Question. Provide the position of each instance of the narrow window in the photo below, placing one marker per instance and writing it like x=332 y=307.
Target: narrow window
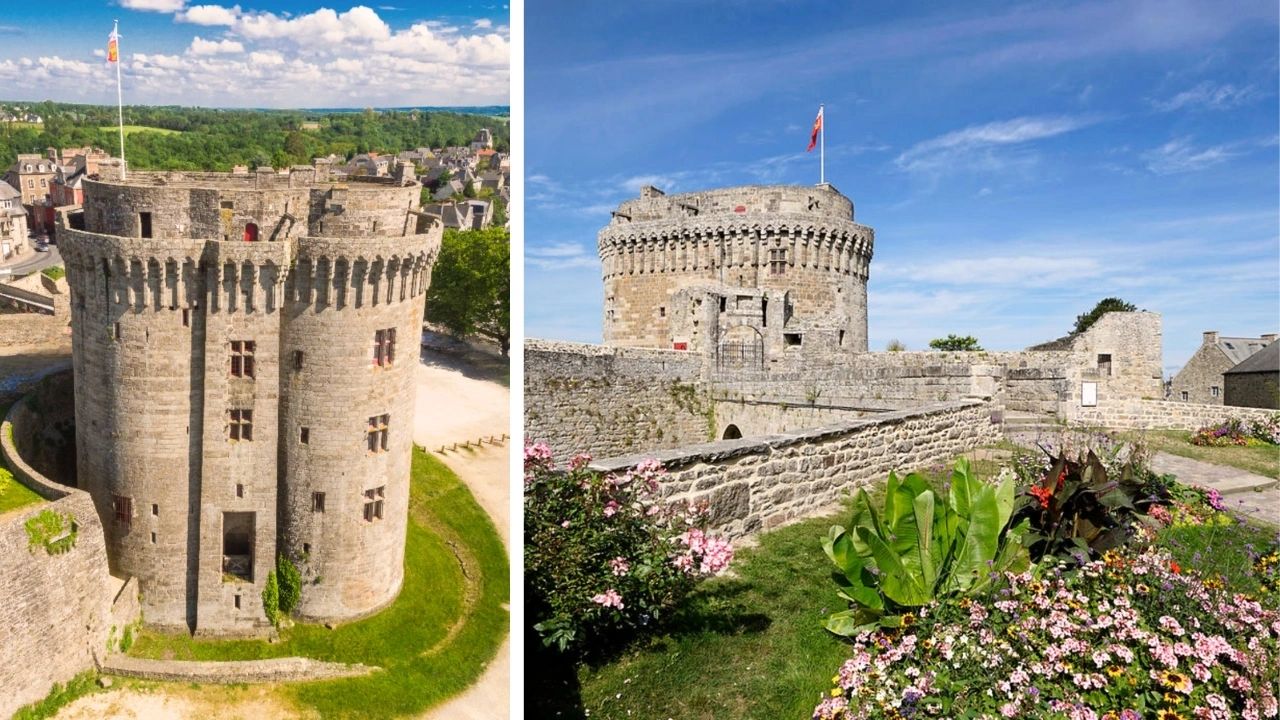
x=144 y=221
x=304 y=435
x=239 y=490
x=317 y=502
x=242 y=358
x=306 y=548
x=840 y=338
x=1184 y=396
x=662 y=311
x=186 y=317
x=1213 y=390
x=297 y=359
x=1104 y=364
x=778 y=261
x=384 y=347
x=123 y=507
x=240 y=424
x=117 y=331
x=722 y=304
x=153 y=538
x=377 y=432
x=155 y=510
x=237 y=601
x=373 y=499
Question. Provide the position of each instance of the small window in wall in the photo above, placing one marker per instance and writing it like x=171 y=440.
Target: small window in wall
x=251 y=232
x=240 y=424
x=153 y=538
x=384 y=347
x=237 y=545
x=116 y=331
x=723 y=303
x=306 y=548
x=1213 y=390
x=186 y=317
x=227 y=205
x=840 y=338
x=237 y=602
x=662 y=311
x=1184 y=396
x=297 y=359
x=764 y=312
x=242 y=358
x=1104 y=364
x=373 y=498
x=144 y=224
x=778 y=261
x=155 y=510
x=123 y=508
x=317 y=502
x=377 y=433
x=304 y=435
x=792 y=339
x=239 y=490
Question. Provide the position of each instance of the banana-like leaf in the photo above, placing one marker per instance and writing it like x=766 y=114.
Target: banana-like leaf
x=962 y=488
x=923 y=506
x=848 y=623
x=896 y=582
x=980 y=543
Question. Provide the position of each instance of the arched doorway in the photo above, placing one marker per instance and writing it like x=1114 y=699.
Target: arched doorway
x=251 y=232
x=732 y=433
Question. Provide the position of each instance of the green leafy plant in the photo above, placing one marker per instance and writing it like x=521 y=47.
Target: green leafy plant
x=956 y=342
x=52 y=530
x=921 y=546
x=289 y=581
x=1104 y=306
x=271 y=598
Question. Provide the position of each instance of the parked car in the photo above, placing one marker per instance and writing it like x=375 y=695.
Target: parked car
x=42 y=247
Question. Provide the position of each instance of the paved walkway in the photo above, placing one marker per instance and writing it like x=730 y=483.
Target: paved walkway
x=1252 y=495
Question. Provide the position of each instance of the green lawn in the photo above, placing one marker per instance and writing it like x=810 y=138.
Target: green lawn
x=13 y=494
x=1263 y=460
x=433 y=641
x=1225 y=551
x=131 y=129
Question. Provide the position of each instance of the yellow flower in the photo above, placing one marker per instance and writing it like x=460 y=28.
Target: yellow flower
x=1168 y=715
x=1172 y=699
x=1176 y=680
x=836 y=692
x=1115 y=671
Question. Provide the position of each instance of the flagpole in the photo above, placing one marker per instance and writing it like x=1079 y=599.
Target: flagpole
x=822 y=147
x=120 y=102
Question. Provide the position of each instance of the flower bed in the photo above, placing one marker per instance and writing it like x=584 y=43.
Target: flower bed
x=1245 y=433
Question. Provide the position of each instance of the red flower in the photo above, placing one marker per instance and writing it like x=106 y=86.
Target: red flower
x=1042 y=494
x=1062 y=476
x=1173 y=565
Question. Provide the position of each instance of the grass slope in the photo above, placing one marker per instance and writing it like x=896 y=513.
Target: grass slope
x=1264 y=461
x=132 y=129
x=433 y=642
x=13 y=494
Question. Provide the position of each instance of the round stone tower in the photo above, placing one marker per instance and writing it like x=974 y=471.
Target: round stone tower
x=244 y=347
x=747 y=273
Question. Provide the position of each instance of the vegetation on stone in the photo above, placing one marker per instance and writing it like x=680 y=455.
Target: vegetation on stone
x=271 y=598
x=470 y=289
x=55 y=272
x=289 y=581
x=52 y=530
x=955 y=342
x=60 y=696
x=1104 y=306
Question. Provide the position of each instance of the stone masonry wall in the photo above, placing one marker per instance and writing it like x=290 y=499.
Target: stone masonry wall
x=1146 y=414
x=26 y=329
x=759 y=484
x=609 y=401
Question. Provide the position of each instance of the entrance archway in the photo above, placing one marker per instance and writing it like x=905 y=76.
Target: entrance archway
x=251 y=232
x=732 y=433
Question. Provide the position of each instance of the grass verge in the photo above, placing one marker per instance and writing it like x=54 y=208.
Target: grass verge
x=59 y=697
x=131 y=129
x=432 y=642
x=1264 y=461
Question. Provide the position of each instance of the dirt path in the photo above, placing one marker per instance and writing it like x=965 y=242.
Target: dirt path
x=173 y=702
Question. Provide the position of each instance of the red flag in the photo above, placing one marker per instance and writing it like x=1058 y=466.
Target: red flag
x=813 y=135
x=113 y=47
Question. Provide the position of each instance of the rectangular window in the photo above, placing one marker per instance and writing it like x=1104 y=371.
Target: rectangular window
x=384 y=347
x=144 y=223
x=297 y=359
x=240 y=424
x=377 y=432
x=123 y=507
x=304 y=435
x=1213 y=390
x=237 y=600
x=186 y=317
x=239 y=490
x=317 y=502
x=227 y=205
x=116 y=331
x=242 y=358
x=1184 y=396
x=792 y=339
x=155 y=510
x=1104 y=364
x=153 y=538
x=778 y=261
x=373 y=498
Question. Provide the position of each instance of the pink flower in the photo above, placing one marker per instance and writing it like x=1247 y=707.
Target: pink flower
x=611 y=508
x=564 y=524
x=579 y=461
x=620 y=566
x=608 y=598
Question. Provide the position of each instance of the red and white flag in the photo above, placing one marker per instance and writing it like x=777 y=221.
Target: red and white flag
x=113 y=47
x=817 y=128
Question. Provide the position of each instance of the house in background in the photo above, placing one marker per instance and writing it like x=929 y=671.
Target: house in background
x=13 y=222
x=1201 y=379
x=1256 y=381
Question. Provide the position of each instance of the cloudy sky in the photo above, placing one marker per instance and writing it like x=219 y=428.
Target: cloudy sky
x=259 y=53
x=1019 y=161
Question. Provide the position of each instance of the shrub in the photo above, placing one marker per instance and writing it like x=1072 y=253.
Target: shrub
x=1128 y=636
x=921 y=547
x=605 y=559
x=271 y=598
x=289 y=581
x=956 y=342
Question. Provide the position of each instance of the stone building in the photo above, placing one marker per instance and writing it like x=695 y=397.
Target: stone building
x=1201 y=379
x=13 y=222
x=31 y=174
x=244 y=348
x=1255 y=382
x=754 y=275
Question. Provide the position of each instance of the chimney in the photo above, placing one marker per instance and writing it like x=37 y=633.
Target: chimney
x=1210 y=337
x=1269 y=338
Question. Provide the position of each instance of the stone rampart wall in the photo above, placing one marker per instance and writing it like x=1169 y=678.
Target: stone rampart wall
x=1145 y=414
x=610 y=401
x=759 y=484
x=34 y=329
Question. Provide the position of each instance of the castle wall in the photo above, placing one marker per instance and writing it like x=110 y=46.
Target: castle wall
x=608 y=401
x=1148 y=414
x=759 y=484
x=33 y=329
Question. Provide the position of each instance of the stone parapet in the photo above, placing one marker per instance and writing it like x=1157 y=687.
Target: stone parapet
x=273 y=670
x=1146 y=414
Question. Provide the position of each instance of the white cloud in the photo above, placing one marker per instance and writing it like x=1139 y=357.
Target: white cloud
x=200 y=46
x=1179 y=156
x=483 y=24
x=360 y=23
x=941 y=152
x=209 y=15
x=1210 y=96
x=154 y=5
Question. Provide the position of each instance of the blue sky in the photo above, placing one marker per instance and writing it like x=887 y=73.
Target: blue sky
x=260 y=53
x=1019 y=161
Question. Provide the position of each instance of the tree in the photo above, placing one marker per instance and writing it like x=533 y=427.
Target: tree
x=470 y=285
x=1104 y=306
x=895 y=345
x=955 y=342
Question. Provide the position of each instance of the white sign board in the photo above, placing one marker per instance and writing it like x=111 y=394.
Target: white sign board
x=1089 y=394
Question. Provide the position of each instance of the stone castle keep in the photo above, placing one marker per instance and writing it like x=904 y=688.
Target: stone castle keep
x=745 y=273
x=244 y=348
x=735 y=352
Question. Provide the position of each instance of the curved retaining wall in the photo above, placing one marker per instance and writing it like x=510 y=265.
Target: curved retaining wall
x=762 y=483
x=55 y=610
